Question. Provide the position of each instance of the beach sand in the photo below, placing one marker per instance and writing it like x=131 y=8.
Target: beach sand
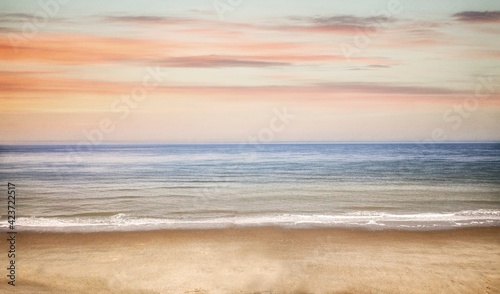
x=258 y=260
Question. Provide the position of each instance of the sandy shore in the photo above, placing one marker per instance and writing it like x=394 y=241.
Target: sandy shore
x=258 y=260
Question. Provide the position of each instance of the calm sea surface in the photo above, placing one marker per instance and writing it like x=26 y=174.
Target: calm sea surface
x=135 y=187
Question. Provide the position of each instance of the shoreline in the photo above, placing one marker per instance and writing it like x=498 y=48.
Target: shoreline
x=75 y=230
x=132 y=229
x=260 y=260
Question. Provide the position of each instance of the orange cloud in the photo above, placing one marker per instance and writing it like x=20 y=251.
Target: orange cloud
x=30 y=82
x=82 y=49
x=62 y=49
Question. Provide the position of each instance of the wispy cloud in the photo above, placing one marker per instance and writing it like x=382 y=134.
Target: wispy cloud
x=478 y=16
x=15 y=17
x=35 y=82
x=60 y=48
x=335 y=24
x=379 y=88
x=146 y=19
x=216 y=61
x=350 y=20
x=253 y=60
x=493 y=54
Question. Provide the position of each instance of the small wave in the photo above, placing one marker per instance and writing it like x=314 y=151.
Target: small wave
x=89 y=214
x=368 y=219
x=480 y=212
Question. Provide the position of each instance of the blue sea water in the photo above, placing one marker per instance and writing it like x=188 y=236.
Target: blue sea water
x=138 y=187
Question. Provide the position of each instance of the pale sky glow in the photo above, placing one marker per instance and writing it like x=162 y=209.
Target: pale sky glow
x=345 y=70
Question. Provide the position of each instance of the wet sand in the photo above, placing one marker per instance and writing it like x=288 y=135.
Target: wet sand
x=258 y=260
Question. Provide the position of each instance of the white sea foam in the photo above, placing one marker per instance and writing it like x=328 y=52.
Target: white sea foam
x=374 y=220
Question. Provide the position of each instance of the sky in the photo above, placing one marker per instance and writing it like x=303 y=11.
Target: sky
x=203 y=71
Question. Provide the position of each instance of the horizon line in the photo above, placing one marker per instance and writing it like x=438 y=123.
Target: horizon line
x=36 y=143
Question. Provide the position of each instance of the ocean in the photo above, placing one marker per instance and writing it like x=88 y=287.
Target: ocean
x=145 y=187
